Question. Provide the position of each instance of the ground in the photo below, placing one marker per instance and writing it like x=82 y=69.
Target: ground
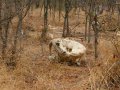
x=34 y=71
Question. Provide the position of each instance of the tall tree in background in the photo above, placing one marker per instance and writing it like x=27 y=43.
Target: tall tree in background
x=88 y=7
x=96 y=30
x=54 y=2
x=96 y=25
x=66 y=30
x=0 y=17
x=118 y=6
x=6 y=13
x=91 y=4
x=60 y=8
x=84 y=7
x=18 y=7
x=21 y=9
x=44 y=31
x=37 y=3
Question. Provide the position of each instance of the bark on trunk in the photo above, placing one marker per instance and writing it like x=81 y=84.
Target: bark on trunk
x=66 y=30
x=44 y=31
x=16 y=37
x=96 y=31
x=86 y=26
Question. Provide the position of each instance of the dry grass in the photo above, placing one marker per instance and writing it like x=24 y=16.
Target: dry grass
x=35 y=72
x=106 y=74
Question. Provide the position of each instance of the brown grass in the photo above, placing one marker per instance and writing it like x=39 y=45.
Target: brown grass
x=35 y=72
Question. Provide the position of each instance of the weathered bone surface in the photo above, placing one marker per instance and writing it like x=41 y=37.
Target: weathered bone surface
x=118 y=33
x=68 y=50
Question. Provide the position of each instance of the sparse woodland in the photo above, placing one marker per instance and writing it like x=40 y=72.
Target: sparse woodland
x=27 y=27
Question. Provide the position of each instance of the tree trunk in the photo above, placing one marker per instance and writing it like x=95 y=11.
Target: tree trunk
x=4 y=30
x=16 y=37
x=54 y=11
x=96 y=30
x=96 y=44
x=91 y=5
x=0 y=17
x=86 y=26
x=5 y=39
x=89 y=29
x=44 y=31
x=67 y=25
x=66 y=31
x=59 y=10
x=119 y=16
x=37 y=3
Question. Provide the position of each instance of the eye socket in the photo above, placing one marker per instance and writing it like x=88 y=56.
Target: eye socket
x=64 y=52
x=69 y=49
x=58 y=44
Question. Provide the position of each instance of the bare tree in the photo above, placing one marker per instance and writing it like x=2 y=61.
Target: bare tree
x=96 y=30
x=37 y=3
x=66 y=30
x=118 y=6
x=60 y=8
x=6 y=12
x=21 y=9
x=0 y=17
x=44 y=31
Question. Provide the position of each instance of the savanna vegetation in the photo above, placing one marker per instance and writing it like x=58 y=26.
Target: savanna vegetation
x=26 y=28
